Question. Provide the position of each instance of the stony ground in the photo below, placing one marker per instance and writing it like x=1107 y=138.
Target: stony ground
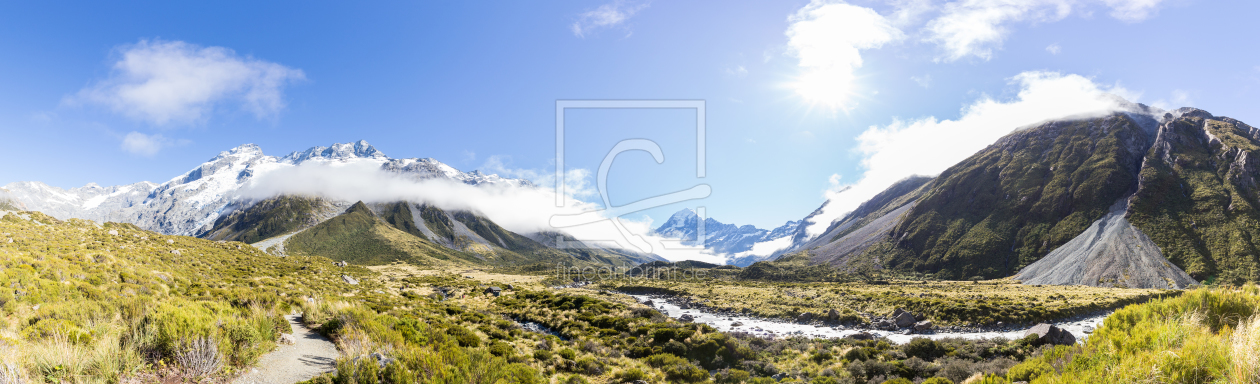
x=310 y=355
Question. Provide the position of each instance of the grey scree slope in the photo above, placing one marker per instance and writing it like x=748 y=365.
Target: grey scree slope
x=1110 y=253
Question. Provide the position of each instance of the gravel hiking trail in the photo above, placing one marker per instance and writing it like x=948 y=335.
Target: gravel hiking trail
x=309 y=356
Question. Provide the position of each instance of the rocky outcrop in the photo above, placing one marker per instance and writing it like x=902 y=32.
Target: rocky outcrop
x=1197 y=195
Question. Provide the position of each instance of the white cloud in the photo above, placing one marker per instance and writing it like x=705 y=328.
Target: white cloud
x=737 y=71
x=1133 y=10
x=1180 y=98
x=908 y=13
x=827 y=37
x=144 y=145
x=606 y=16
x=766 y=248
x=925 y=81
x=166 y=82
x=1054 y=49
x=518 y=209
x=976 y=27
x=928 y=146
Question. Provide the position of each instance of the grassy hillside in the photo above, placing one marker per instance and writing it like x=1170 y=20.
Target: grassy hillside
x=1198 y=199
x=361 y=237
x=88 y=303
x=495 y=234
x=357 y=236
x=1015 y=201
x=897 y=195
x=442 y=226
x=1209 y=335
x=398 y=214
x=84 y=305
x=114 y=304
x=265 y=219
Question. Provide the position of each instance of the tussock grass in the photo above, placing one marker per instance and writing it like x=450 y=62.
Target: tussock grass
x=1207 y=335
x=945 y=302
x=85 y=303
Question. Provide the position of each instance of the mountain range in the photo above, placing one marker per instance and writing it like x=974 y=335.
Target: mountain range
x=208 y=202
x=1138 y=198
x=735 y=241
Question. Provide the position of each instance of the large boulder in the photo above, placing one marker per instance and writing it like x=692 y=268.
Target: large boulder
x=904 y=320
x=686 y=318
x=885 y=324
x=923 y=325
x=805 y=317
x=1050 y=334
x=860 y=336
x=833 y=315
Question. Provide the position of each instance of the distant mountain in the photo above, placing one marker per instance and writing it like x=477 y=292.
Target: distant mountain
x=9 y=203
x=207 y=202
x=721 y=238
x=1141 y=198
x=422 y=234
x=190 y=204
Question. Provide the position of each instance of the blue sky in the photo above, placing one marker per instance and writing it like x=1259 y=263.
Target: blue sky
x=475 y=84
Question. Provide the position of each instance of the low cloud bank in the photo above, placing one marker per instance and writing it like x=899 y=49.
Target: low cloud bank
x=928 y=146
x=519 y=209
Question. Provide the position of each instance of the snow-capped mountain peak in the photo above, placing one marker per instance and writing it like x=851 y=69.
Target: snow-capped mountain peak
x=191 y=202
x=719 y=237
x=339 y=151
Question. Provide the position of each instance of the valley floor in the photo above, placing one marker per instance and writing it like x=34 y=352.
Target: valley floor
x=114 y=304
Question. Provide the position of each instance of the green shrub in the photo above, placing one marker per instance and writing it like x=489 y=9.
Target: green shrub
x=499 y=348
x=542 y=355
x=677 y=368
x=575 y=379
x=827 y=380
x=937 y=380
x=630 y=375
x=924 y=348
x=732 y=376
x=463 y=336
x=1029 y=370
x=821 y=357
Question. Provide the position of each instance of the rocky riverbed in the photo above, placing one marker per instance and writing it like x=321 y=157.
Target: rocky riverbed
x=1080 y=326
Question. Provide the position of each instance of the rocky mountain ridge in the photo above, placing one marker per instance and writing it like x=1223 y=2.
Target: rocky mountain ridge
x=189 y=204
x=1044 y=198
x=721 y=238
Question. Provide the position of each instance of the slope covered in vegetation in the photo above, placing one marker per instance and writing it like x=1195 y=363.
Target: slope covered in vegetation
x=271 y=217
x=1209 y=335
x=1015 y=201
x=359 y=237
x=1198 y=197
x=89 y=303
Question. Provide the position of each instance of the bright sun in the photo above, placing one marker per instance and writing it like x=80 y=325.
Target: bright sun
x=825 y=88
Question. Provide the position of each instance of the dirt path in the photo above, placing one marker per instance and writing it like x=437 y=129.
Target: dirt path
x=310 y=355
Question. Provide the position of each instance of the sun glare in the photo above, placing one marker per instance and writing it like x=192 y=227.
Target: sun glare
x=825 y=88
